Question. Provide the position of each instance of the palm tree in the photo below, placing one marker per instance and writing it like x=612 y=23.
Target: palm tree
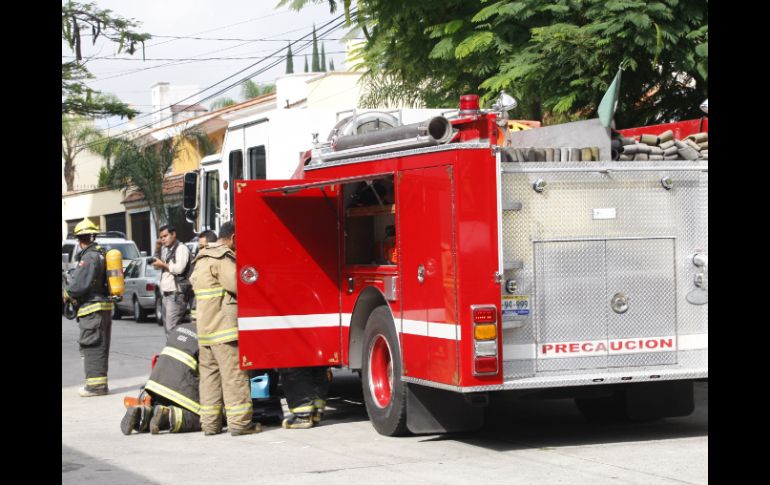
x=222 y=103
x=77 y=135
x=251 y=90
x=144 y=166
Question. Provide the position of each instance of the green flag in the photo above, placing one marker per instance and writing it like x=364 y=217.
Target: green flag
x=610 y=101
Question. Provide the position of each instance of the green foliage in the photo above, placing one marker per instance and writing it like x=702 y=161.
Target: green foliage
x=220 y=103
x=145 y=166
x=306 y=63
x=78 y=135
x=323 y=58
x=316 y=59
x=331 y=64
x=251 y=90
x=77 y=97
x=289 y=61
x=557 y=58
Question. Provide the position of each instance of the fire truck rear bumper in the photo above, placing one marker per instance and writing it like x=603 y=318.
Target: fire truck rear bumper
x=615 y=376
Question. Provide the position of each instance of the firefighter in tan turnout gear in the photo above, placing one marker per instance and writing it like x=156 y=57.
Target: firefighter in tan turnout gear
x=224 y=387
x=88 y=286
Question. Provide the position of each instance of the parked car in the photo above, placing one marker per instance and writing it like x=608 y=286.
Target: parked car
x=142 y=294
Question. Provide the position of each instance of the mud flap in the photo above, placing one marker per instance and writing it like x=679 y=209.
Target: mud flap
x=653 y=400
x=430 y=411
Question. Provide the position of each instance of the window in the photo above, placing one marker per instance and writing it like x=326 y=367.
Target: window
x=211 y=186
x=67 y=249
x=127 y=250
x=131 y=269
x=236 y=173
x=257 y=163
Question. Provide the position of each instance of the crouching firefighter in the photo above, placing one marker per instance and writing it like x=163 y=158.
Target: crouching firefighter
x=89 y=291
x=305 y=389
x=172 y=388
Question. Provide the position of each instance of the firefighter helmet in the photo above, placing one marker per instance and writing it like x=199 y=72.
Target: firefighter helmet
x=86 y=227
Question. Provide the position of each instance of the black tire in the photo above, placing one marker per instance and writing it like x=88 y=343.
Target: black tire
x=159 y=310
x=388 y=420
x=140 y=314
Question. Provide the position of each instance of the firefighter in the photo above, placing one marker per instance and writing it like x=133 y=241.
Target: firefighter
x=172 y=387
x=204 y=238
x=222 y=382
x=305 y=389
x=88 y=290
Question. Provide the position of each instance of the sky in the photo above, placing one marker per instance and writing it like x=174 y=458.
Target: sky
x=261 y=28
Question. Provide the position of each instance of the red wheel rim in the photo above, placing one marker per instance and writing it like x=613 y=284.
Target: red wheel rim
x=381 y=372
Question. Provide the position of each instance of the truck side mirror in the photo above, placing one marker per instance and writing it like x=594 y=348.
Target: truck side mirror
x=191 y=215
x=190 y=191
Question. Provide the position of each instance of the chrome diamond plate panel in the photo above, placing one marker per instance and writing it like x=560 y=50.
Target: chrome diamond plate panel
x=644 y=211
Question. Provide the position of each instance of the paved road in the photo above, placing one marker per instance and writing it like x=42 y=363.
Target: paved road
x=540 y=442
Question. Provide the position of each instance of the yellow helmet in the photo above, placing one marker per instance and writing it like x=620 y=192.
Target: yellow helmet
x=86 y=227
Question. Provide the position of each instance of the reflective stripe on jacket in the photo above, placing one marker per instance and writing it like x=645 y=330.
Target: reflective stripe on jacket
x=175 y=375
x=88 y=284
x=214 y=283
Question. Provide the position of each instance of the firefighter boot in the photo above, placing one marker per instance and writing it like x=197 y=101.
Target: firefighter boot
x=318 y=410
x=299 y=421
x=137 y=418
x=89 y=391
x=160 y=420
x=253 y=429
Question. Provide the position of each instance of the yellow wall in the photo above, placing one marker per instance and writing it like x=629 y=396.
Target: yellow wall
x=189 y=157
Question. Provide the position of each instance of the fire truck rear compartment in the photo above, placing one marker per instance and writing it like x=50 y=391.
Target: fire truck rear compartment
x=600 y=264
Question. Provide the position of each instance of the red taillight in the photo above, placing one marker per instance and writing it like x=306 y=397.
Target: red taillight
x=469 y=102
x=485 y=365
x=150 y=287
x=485 y=315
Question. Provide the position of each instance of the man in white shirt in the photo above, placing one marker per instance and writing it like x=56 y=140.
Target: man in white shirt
x=175 y=287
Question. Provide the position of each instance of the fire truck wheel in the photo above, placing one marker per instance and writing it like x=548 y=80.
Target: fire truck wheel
x=384 y=392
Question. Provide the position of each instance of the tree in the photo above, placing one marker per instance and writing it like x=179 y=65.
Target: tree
x=220 y=103
x=77 y=97
x=251 y=90
x=316 y=60
x=323 y=58
x=557 y=57
x=289 y=61
x=305 y=62
x=78 y=135
x=331 y=64
x=144 y=166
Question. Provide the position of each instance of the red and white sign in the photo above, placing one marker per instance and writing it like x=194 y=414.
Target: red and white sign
x=589 y=348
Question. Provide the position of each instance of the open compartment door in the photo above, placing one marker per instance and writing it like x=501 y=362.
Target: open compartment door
x=287 y=252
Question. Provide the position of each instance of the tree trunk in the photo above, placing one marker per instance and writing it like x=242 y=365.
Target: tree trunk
x=69 y=174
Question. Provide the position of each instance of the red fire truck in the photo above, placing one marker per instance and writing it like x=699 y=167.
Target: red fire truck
x=427 y=258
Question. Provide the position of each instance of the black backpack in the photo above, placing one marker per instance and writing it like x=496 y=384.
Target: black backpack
x=183 y=280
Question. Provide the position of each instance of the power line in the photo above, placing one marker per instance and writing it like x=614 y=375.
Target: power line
x=196 y=59
x=240 y=81
x=126 y=73
x=228 y=39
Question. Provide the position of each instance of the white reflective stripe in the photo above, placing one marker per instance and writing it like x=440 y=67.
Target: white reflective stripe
x=346 y=317
x=443 y=330
x=447 y=331
x=289 y=321
x=694 y=342
x=414 y=327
